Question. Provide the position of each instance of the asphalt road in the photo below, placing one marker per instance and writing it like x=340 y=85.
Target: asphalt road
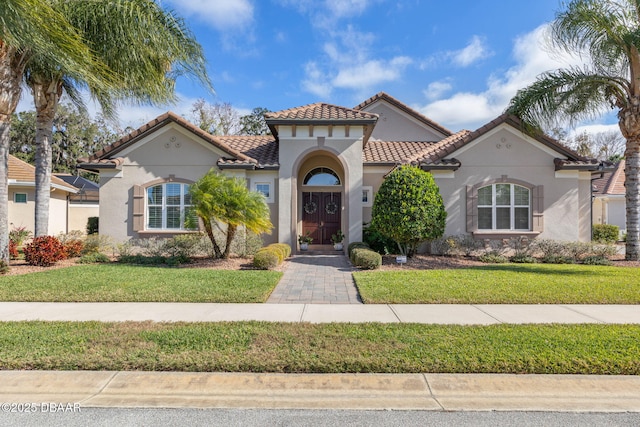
x=265 y=417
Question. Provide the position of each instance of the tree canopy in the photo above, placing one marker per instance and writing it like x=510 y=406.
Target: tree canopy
x=408 y=208
x=226 y=203
x=606 y=33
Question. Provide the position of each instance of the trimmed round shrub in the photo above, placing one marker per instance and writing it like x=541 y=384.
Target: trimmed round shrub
x=356 y=245
x=605 y=233
x=44 y=251
x=286 y=249
x=266 y=259
x=367 y=259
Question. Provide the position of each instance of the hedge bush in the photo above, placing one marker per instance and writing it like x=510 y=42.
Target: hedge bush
x=366 y=258
x=271 y=256
x=605 y=233
x=44 y=251
x=266 y=259
x=356 y=245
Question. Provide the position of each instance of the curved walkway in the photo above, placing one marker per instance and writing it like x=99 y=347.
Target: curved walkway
x=316 y=279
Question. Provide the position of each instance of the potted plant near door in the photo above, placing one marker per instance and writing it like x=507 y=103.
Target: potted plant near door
x=305 y=240
x=337 y=240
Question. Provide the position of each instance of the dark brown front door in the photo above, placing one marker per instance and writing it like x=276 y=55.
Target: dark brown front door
x=321 y=213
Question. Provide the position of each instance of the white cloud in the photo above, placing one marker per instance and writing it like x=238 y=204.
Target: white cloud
x=371 y=73
x=474 y=51
x=471 y=110
x=344 y=8
x=220 y=14
x=316 y=82
x=436 y=89
x=347 y=64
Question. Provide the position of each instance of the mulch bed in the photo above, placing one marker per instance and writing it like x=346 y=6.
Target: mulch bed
x=418 y=262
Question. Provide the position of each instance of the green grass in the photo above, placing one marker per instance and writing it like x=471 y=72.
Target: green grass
x=503 y=284
x=124 y=283
x=321 y=348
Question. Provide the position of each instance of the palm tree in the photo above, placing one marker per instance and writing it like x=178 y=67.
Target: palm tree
x=608 y=33
x=27 y=28
x=220 y=200
x=144 y=46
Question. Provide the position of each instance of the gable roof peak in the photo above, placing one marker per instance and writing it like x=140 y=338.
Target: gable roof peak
x=383 y=96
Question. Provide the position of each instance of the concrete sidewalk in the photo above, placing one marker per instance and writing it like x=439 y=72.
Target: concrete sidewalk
x=458 y=314
x=435 y=392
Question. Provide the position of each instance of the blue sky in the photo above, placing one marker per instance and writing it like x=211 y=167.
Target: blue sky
x=456 y=61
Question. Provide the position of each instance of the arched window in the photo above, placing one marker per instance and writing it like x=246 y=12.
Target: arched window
x=504 y=207
x=167 y=206
x=321 y=177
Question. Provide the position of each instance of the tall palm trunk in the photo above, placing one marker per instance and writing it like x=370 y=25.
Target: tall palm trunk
x=629 y=122
x=12 y=64
x=231 y=233
x=46 y=95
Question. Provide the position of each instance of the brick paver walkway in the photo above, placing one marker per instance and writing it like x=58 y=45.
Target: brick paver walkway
x=316 y=279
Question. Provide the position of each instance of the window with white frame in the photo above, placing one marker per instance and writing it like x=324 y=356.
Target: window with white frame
x=20 y=197
x=167 y=206
x=265 y=188
x=504 y=207
x=367 y=196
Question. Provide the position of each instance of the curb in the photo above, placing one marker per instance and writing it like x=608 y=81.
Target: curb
x=431 y=392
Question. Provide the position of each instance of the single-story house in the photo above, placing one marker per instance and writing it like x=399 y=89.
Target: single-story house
x=609 y=204
x=323 y=164
x=22 y=186
x=82 y=205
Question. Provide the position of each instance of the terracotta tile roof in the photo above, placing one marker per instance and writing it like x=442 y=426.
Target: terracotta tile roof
x=158 y=122
x=394 y=151
x=404 y=107
x=262 y=148
x=320 y=112
x=611 y=183
x=23 y=172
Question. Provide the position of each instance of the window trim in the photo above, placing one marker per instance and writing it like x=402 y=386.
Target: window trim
x=26 y=198
x=164 y=207
x=536 y=210
x=269 y=182
x=512 y=206
x=138 y=218
x=369 y=190
x=321 y=170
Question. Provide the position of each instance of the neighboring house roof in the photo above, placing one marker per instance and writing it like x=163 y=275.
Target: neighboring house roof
x=611 y=183
x=404 y=107
x=88 y=191
x=21 y=173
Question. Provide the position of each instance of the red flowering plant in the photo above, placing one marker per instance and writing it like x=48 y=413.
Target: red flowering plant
x=44 y=251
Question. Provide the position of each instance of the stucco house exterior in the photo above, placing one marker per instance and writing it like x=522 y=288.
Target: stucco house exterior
x=22 y=186
x=609 y=204
x=323 y=164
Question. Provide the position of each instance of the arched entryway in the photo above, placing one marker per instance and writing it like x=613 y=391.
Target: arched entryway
x=321 y=193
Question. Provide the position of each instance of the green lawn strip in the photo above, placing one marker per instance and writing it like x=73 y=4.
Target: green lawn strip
x=321 y=348
x=503 y=284
x=125 y=283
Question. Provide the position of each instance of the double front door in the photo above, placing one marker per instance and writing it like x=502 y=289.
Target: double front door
x=321 y=214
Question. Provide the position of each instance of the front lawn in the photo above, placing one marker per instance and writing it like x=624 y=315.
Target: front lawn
x=503 y=284
x=321 y=348
x=127 y=283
